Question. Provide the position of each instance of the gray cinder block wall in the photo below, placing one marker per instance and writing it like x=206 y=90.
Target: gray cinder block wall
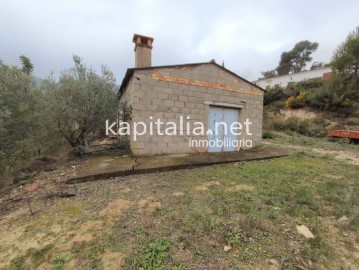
x=188 y=90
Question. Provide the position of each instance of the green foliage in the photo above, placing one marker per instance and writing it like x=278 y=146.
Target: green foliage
x=296 y=59
x=338 y=93
x=88 y=254
x=295 y=90
x=38 y=255
x=24 y=130
x=32 y=256
x=17 y=263
x=27 y=66
x=35 y=121
x=352 y=121
x=315 y=127
x=20 y=112
x=273 y=95
x=152 y=258
x=335 y=93
x=80 y=103
x=301 y=54
x=59 y=262
x=125 y=111
x=26 y=181
x=269 y=74
x=267 y=135
x=237 y=233
x=346 y=57
x=307 y=85
x=285 y=65
x=125 y=115
x=316 y=247
x=156 y=253
x=342 y=89
x=123 y=143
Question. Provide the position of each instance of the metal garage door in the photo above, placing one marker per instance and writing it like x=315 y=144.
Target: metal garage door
x=224 y=115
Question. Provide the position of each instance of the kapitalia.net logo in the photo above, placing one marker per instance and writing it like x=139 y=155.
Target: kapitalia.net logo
x=218 y=134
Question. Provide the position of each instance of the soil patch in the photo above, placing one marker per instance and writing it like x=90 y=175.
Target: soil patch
x=206 y=186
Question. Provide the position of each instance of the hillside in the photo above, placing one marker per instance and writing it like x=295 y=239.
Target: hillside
x=310 y=108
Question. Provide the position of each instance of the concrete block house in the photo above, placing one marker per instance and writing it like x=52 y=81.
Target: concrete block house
x=205 y=92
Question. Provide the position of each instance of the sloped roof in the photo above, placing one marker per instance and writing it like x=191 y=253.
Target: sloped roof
x=130 y=71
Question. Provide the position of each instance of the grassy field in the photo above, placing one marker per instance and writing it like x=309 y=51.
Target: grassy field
x=233 y=216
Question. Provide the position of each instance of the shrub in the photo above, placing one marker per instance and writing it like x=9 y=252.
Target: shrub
x=273 y=95
x=289 y=102
x=315 y=127
x=267 y=135
x=123 y=143
x=304 y=86
x=24 y=131
x=355 y=112
x=352 y=121
x=338 y=93
x=79 y=103
x=295 y=102
x=153 y=256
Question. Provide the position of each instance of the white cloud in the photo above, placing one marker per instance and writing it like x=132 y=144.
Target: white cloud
x=248 y=35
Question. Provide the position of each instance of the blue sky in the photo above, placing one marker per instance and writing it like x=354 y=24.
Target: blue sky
x=248 y=35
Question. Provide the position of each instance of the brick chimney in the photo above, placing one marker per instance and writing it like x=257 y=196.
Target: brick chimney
x=143 y=48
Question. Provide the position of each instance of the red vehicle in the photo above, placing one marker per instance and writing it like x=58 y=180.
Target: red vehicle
x=345 y=136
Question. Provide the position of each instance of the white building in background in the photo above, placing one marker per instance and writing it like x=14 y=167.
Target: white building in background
x=285 y=80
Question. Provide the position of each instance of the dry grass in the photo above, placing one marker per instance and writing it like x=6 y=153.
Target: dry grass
x=184 y=219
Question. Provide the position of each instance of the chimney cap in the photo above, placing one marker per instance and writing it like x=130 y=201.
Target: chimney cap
x=141 y=40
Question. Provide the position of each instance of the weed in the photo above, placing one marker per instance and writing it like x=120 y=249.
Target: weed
x=247 y=233
x=316 y=247
x=304 y=196
x=163 y=213
x=152 y=257
x=156 y=253
x=38 y=255
x=25 y=182
x=59 y=262
x=17 y=263
x=267 y=135
x=140 y=231
x=88 y=253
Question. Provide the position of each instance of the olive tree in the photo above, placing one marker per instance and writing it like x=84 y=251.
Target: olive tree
x=80 y=102
x=18 y=115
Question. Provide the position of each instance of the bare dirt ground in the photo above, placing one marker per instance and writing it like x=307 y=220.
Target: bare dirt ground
x=236 y=216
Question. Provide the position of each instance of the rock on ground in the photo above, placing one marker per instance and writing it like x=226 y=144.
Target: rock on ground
x=303 y=230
